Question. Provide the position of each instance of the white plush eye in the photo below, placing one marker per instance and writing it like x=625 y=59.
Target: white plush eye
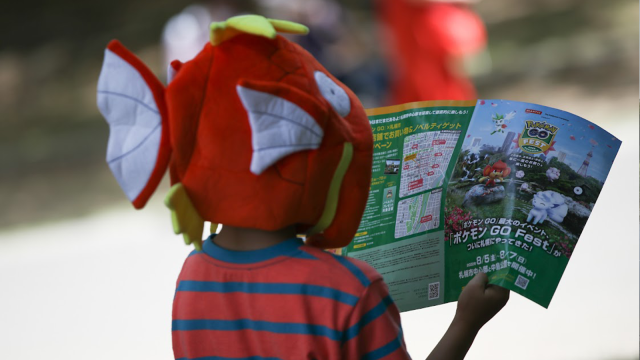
x=335 y=95
x=577 y=190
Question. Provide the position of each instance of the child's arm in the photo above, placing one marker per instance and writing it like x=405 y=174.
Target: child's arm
x=477 y=304
x=373 y=328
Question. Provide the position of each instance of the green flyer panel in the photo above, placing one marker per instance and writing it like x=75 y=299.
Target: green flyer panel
x=401 y=233
x=523 y=187
x=493 y=186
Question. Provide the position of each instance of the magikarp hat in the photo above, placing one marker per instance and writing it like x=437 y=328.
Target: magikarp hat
x=254 y=131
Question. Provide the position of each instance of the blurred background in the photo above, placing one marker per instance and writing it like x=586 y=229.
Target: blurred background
x=84 y=275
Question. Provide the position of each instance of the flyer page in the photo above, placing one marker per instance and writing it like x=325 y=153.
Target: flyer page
x=402 y=230
x=494 y=186
x=524 y=184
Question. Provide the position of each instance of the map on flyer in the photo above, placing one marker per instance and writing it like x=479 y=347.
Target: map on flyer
x=425 y=160
x=418 y=214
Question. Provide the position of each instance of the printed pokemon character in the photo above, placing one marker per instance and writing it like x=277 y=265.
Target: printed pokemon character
x=547 y=204
x=499 y=121
x=496 y=172
x=553 y=174
x=254 y=131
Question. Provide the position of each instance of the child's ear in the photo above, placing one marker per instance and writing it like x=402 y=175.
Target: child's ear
x=132 y=100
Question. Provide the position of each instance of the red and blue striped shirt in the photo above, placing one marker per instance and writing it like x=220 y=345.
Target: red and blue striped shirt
x=286 y=302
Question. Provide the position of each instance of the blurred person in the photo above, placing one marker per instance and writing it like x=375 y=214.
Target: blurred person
x=324 y=18
x=340 y=40
x=266 y=142
x=186 y=33
x=427 y=42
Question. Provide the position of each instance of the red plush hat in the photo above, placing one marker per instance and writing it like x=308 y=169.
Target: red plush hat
x=255 y=132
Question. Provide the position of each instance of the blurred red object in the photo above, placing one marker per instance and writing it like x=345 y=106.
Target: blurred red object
x=427 y=42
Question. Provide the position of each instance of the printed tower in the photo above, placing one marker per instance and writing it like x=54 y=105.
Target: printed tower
x=562 y=156
x=507 y=142
x=585 y=164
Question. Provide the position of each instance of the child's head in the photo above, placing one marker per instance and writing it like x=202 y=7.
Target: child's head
x=254 y=130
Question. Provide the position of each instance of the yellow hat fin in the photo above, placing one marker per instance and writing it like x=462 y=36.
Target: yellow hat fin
x=289 y=27
x=252 y=24
x=184 y=216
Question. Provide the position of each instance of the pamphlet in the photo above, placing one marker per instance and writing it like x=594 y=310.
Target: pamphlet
x=494 y=186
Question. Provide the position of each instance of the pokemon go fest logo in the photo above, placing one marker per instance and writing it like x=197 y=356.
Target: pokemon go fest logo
x=537 y=137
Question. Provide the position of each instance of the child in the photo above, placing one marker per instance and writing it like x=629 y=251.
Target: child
x=259 y=137
x=266 y=294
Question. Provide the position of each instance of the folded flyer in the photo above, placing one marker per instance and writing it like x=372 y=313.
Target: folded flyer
x=459 y=187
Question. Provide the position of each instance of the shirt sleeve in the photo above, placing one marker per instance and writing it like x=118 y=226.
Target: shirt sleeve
x=373 y=330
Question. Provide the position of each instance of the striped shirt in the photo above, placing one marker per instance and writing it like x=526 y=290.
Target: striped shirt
x=285 y=302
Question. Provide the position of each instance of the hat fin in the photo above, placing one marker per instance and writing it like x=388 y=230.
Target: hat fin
x=185 y=218
x=279 y=128
x=131 y=99
x=252 y=24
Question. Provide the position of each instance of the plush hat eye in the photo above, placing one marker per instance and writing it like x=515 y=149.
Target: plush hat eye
x=577 y=190
x=334 y=93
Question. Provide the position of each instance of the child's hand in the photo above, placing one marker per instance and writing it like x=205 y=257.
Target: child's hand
x=479 y=302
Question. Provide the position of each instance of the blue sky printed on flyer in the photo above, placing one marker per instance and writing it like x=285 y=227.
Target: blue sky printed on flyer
x=494 y=120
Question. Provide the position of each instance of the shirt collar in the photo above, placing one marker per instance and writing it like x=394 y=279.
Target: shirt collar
x=287 y=247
